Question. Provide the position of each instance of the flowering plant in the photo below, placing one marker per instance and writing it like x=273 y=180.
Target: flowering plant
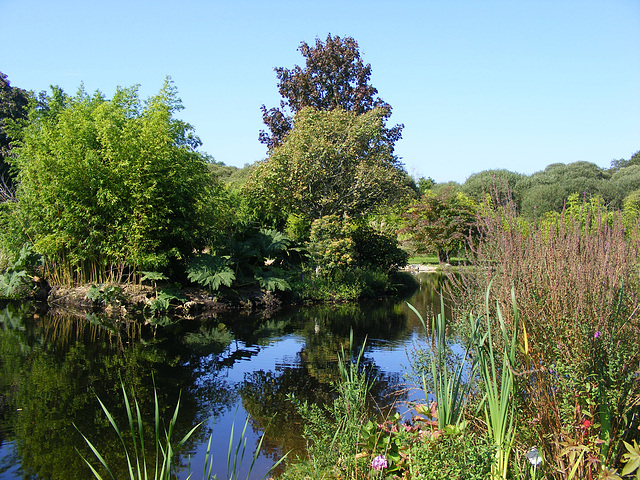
x=379 y=463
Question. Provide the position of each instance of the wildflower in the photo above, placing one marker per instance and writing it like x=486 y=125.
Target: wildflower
x=534 y=456
x=379 y=463
x=597 y=334
x=586 y=424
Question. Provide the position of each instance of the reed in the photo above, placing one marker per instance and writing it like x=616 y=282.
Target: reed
x=498 y=383
x=141 y=466
x=449 y=388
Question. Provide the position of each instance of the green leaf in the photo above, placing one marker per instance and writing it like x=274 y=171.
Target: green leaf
x=154 y=276
x=273 y=281
x=211 y=271
x=631 y=458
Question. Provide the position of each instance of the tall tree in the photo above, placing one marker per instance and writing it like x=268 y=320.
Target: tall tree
x=14 y=104
x=334 y=77
x=331 y=163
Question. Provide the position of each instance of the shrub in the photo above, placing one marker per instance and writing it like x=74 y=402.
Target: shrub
x=106 y=187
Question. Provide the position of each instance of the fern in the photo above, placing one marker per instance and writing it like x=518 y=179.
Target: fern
x=211 y=271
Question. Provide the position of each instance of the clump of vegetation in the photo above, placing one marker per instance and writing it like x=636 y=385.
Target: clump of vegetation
x=575 y=283
x=107 y=187
x=20 y=274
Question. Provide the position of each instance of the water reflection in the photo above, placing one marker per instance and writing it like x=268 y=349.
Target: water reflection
x=225 y=369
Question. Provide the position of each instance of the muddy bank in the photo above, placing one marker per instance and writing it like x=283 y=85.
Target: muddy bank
x=142 y=300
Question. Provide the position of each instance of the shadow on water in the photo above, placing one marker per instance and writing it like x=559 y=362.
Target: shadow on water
x=225 y=369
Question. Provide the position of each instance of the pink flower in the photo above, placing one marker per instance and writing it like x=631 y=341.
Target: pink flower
x=379 y=463
x=597 y=334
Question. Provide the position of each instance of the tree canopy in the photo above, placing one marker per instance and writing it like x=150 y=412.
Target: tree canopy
x=14 y=104
x=440 y=223
x=334 y=77
x=333 y=162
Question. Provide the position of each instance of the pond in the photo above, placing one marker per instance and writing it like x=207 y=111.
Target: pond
x=224 y=371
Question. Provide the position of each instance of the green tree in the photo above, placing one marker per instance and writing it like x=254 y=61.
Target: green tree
x=425 y=184
x=501 y=181
x=631 y=211
x=441 y=223
x=623 y=182
x=334 y=77
x=113 y=183
x=622 y=163
x=549 y=190
x=332 y=163
x=14 y=104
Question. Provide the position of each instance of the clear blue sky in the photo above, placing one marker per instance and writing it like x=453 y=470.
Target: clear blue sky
x=478 y=84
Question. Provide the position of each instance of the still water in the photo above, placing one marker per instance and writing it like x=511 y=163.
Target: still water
x=223 y=370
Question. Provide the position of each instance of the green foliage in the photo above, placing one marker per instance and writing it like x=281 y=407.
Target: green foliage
x=377 y=250
x=575 y=280
x=459 y=455
x=266 y=258
x=17 y=279
x=157 y=462
x=548 y=190
x=498 y=382
x=298 y=228
x=211 y=271
x=331 y=244
x=163 y=301
x=104 y=294
x=484 y=183
x=14 y=104
x=624 y=182
x=631 y=211
x=622 y=163
x=334 y=432
x=273 y=280
x=425 y=184
x=449 y=389
x=331 y=163
x=442 y=224
x=136 y=459
x=632 y=459
x=114 y=183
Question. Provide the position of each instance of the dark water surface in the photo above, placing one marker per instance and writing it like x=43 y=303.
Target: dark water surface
x=224 y=370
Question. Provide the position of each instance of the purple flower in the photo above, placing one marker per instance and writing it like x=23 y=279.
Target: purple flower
x=597 y=334
x=379 y=463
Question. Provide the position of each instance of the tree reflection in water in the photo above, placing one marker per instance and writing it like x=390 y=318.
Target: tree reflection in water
x=52 y=367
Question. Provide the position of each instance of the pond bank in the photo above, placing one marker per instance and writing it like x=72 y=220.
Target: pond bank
x=124 y=300
x=188 y=303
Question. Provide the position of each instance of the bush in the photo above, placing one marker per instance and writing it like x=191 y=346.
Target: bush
x=106 y=187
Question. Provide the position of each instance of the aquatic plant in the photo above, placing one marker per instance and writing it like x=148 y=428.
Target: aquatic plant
x=157 y=462
x=449 y=388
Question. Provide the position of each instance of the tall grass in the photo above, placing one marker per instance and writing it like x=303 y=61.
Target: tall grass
x=576 y=284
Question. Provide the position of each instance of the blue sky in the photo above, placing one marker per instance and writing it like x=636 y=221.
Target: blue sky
x=479 y=85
